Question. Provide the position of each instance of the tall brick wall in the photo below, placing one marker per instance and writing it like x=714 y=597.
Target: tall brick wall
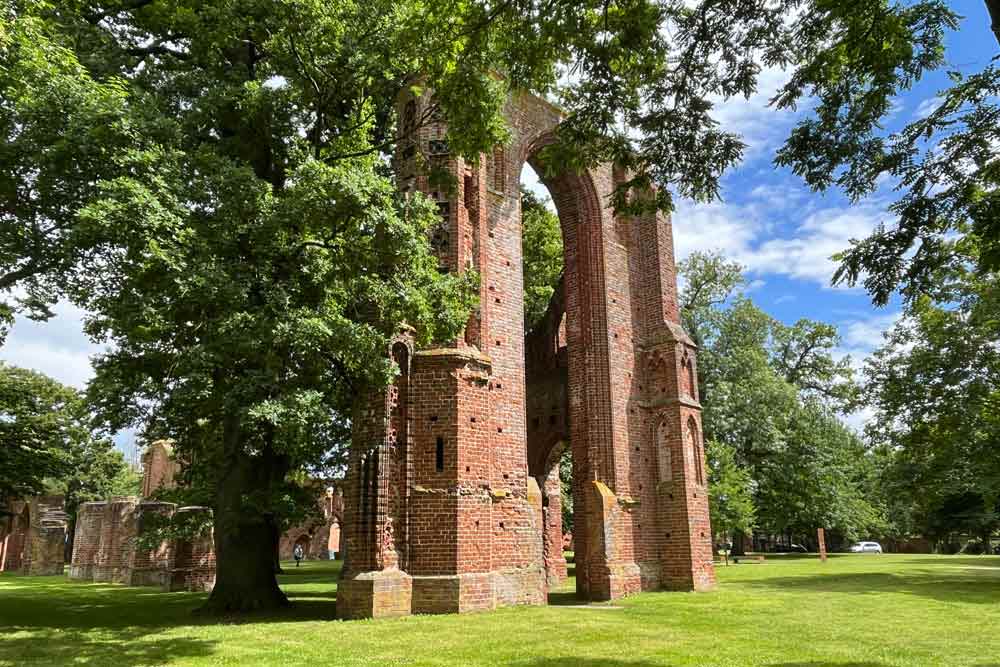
x=446 y=516
x=159 y=468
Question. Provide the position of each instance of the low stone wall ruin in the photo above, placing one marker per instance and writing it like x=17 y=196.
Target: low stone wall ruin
x=106 y=548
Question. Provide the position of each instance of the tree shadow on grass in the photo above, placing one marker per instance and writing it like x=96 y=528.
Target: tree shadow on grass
x=953 y=580
x=124 y=649
x=73 y=607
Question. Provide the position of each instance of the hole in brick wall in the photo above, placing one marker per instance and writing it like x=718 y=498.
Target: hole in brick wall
x=499 y=429
x=498 y=343
x=477 y=524
x=499 y=386
x=670 y=495
x=467 y=470
x=493 y=288
x=505 y=476
x=439 y=455
x=640 y=487
x=667 y=536
x=434 y=418
x=696 y=495
x=501 y=525
x=508 y=262
x=469 y=195
x=636 y=449
x=552 y=419
x=496 y=300
x=703 y=534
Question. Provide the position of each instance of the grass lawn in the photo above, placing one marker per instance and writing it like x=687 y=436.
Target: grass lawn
x=854 y=611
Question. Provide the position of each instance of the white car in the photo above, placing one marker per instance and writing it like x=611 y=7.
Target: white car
x=866 y=548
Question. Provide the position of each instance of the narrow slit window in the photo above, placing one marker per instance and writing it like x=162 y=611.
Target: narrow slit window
x=439 y=455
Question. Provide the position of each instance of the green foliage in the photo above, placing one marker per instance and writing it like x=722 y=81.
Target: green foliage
x=730 y=491
x=933 y=387
x=38 y=419
x=47 y=443
x=566 y=489
x=543 y=256
x=778 y=455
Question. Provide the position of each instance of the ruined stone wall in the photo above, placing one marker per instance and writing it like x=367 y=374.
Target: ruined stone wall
x=481 y=430
x=45 y=550
x=193 y=565
x=36 y=541
x=13 y=544
x=87 y=539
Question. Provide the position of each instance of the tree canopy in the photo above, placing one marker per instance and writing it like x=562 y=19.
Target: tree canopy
x=48 y=444
x=779 y=457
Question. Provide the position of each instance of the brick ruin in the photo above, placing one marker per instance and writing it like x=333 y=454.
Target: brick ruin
x=452 y=501
x=318 y=537
x=105 y=545
x=34 y=541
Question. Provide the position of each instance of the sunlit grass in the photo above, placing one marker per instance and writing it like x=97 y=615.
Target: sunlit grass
x=854 y=611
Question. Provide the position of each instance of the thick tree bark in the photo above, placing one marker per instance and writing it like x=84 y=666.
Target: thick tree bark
x=245 y=578
x=277 y=550
x=245 y=545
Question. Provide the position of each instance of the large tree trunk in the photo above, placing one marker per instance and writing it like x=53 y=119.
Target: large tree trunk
x=244 y=538
x=277 y=550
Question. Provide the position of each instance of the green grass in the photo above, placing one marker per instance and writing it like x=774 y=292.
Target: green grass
x=854 y=611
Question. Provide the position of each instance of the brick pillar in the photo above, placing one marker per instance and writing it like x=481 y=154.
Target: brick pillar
x=45 y=549
x=117 y=529
x=150 y=566
x=373 y=582
x=555 y=559
x=87 y=539
x=672 y=417
x=192 y=562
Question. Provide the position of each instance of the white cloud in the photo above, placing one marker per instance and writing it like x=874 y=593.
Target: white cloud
x=927 y=107
x=762 y=127
x=860 y=337
x=57 y=348
x=748 y=234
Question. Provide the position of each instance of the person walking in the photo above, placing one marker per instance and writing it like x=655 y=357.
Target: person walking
x=297 y=553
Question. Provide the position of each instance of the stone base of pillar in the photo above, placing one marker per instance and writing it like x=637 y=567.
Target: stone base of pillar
x=696 y=577
x=378 y=594
x=479 y=591
x=614 y=581
x=556 y=570
x=154 y=577
x=84 y=572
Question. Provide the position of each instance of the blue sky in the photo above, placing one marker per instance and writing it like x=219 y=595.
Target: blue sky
x=779 y=230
